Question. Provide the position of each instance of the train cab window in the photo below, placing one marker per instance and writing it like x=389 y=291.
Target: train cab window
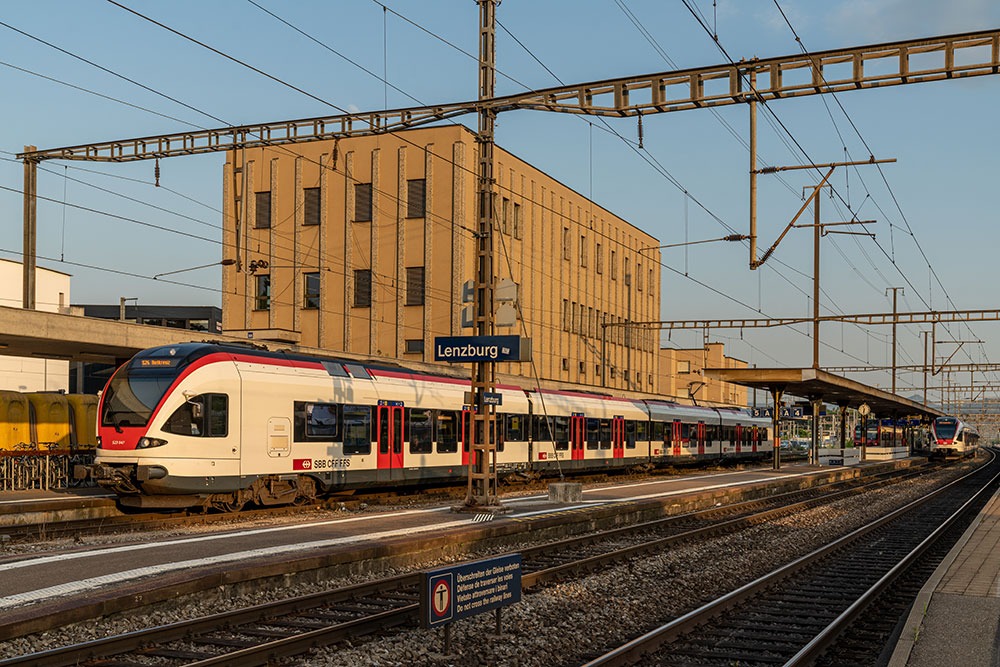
x=357 y=424
x=605 y=434
x=593 y=427
x=642 y=431
x=515 y=428
x=205 y=415
x=656 y=431
x=560 y=428
x=420 y=432
x=447 y=432
x=630 y=429
x=317 y=421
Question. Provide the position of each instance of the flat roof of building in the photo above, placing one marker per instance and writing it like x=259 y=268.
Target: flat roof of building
x=813 y=383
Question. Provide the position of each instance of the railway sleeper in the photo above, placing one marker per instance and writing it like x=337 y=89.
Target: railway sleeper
x=177 y=654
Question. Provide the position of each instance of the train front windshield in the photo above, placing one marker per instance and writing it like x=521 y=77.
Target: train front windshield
x=945 y=428
x=137 y=388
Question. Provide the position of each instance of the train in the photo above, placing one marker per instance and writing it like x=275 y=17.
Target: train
x=219 y=426
x=952 y=437
x=43 y=422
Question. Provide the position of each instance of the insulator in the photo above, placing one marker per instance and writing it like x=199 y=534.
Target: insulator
x=640 y=129
x=156 y=172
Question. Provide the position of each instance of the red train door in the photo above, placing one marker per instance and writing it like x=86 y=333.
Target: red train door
x=739 y=435
x=466 y=435
x=577 y=435
x=618 y=437
x=701 y=437
x=755 y=434
x=390 y=435
x=676 y=439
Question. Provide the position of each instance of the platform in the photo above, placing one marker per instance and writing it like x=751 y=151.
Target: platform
x=84 y=582
x=955 y=619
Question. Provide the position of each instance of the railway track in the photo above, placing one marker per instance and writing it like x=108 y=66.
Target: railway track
x=258 y=635
x=808 y=611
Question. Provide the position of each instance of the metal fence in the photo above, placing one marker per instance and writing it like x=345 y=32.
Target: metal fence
x=42 y=466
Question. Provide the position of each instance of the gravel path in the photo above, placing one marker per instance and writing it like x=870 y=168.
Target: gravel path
x=560 y=624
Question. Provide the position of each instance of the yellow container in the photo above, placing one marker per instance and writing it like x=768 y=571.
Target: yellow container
x=84 y=410
x=15 y=424
x=50 y=423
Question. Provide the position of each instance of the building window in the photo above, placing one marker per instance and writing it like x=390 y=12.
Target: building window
x=362 y=202
x=415 y=346
x=575 y=323
x=583 y=368
x=598 y=259
x=262 y=300
x=198 y=325
x=628 y=274
x=362 y=288
x=504 y=215
x=583 y=251
x=262 y=203
x=565 y=243
x=517 y=221
x=597 y=369
x=614 y=265
x=565 y=364
x=565 y=315
x=310 y=290
x=416 y=198
x=638 y=276
x=650 y=284
x=683 y=367
x=310 y=206
x=414 y=286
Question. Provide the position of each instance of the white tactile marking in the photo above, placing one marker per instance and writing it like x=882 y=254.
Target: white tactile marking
x=118 y=577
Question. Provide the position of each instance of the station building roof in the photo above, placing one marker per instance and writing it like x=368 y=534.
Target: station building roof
x=813 y=383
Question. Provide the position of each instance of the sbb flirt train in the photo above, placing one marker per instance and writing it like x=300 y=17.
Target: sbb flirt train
x=202 y=424
x=951 y=436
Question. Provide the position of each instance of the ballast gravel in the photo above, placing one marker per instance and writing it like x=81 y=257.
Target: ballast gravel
x=563 y=624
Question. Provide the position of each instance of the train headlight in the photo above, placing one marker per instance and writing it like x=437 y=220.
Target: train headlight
x=98 y=442
x=146 y=443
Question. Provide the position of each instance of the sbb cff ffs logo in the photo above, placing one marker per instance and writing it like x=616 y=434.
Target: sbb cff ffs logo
x=302 y=464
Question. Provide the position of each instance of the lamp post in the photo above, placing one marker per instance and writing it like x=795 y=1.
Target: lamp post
x=224 y=262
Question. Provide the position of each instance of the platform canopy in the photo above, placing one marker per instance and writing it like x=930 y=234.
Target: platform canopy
x=813 y=384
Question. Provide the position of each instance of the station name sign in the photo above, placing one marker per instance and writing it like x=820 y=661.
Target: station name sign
x=465 y=349
x=452 y=593
x=786 y=413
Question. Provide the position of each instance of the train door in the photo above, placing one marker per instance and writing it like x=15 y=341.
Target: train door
x=466 y=435
x=389 y=436
x=618 y=437
x=756 y=438
x=577 y=435
x=701 y=438
x=676 y=438
x=738 y=439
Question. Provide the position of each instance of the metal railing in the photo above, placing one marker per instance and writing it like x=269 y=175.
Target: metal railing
x=43 y=466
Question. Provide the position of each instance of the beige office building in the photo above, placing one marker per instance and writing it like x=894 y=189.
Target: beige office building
x=363 y=244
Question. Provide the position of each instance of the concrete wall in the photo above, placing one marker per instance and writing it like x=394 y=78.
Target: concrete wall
x=52 y=295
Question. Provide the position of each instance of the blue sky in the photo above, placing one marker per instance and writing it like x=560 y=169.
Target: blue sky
x=944 y=136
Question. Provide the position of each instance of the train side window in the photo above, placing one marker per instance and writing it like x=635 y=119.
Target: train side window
x=515 y=428
x=543 y=432
x=605 y=434
x=560 y=426
x=593 y=433
x=317 y=421
x=642 y=431
x=447 y=432
x=357 y=421
x=630 y=430
x=656 y=431
x=668 y=432
x=190 y=418
x=420 y=432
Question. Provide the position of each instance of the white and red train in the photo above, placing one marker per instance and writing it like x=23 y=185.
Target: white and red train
x=951 y=436
x=202 y=424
